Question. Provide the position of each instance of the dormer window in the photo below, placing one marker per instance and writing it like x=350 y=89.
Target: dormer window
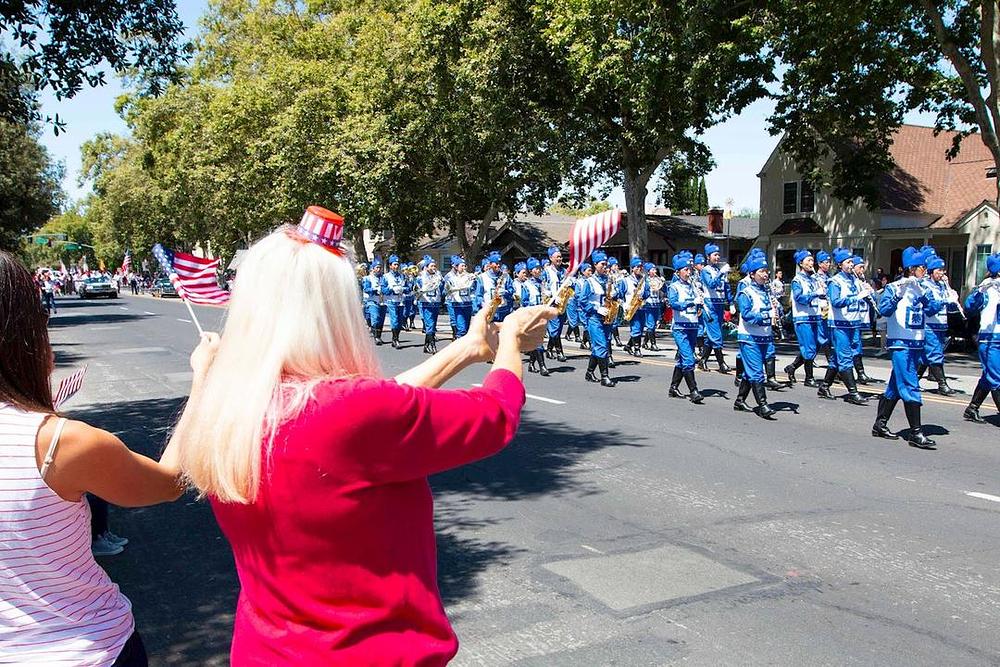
x=991 y=172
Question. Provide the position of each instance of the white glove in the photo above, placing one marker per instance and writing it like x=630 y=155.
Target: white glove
x=952 y=296
x=603 y=311
x=724 y=267
x=397 y=290
x=699 y=301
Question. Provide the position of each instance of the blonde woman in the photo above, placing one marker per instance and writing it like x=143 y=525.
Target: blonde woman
x=316 y=465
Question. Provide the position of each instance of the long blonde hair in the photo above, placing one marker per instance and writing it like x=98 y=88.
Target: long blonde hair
x=294 y=320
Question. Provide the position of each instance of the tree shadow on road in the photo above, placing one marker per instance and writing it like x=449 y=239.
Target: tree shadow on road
x=61 y=321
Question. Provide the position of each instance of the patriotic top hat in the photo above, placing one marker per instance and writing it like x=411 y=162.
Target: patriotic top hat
x=321 y=226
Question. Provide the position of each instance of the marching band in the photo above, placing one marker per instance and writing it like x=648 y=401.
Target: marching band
x=829 y=312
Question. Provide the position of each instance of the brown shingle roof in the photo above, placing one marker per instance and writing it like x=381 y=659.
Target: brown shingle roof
x=925 y=181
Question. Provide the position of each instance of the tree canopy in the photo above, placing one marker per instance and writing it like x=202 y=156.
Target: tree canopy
x=30 y=183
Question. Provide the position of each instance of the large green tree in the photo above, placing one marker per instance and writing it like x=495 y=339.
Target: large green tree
x=841 y=99
x=30 y=189
x=647 y=78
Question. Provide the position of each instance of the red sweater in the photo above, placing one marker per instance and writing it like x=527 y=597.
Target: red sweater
x=336 y=557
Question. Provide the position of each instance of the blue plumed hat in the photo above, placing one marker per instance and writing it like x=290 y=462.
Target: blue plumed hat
x=822 y=256
x=841 y=255
x=553 y=250
x=800 y=255
x=493 y=258
x=393 y=259
x=993 y=263
x=532 y=263
x=634 y=262
x=710 y=248
x=648 y=265
x=612 y=261
x=755 y=263
x=934 y=262
x=520 y=266
x=598 y=256
x=699 y=258
x=585 y=266
x=681 y=260
x=913 y=257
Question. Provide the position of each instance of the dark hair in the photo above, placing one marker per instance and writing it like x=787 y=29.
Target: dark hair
x=25 y=354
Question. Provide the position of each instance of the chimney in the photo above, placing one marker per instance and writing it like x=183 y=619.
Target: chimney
x=715 y=221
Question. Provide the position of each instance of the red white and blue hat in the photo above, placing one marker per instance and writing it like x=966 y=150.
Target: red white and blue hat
x=321 y=226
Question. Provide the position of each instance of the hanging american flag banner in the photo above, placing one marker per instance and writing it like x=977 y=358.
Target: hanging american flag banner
x=591 y=233
x=68 y=387
x=127 y=262
x=192 y=277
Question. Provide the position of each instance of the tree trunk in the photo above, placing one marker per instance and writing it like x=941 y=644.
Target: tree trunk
x=360 y=252
x=484 y=228
x=635 y=206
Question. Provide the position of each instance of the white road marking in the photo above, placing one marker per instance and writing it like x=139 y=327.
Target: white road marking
x=104 y=328
x=588 y=548
x=614 y=415
x=146 y=312
x=906 y=479
x=537 y=398
x=123 y=307
x=781 y=451
x=982 y=496
x=180 y=319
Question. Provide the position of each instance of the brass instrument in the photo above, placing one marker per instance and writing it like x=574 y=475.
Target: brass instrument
x=565 y=294
x=360 y=271
x=610 y=303
x=497 y=300
x=635 y=303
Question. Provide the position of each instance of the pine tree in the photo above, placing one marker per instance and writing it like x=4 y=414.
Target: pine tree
x=702 y=197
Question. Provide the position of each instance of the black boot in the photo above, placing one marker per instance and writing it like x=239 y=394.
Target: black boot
x=706 y=352
x=434 y=343
x=917 y=437
x=645 y=341
x=533 y=361
x=652 y=341
x=636 y=347
x=606 y=380
x=550 y=348
x=378 y=336
x=792 y=367
x=881 y=427
x=675 y=383
x=585 y=341
x=721 y=358
x=921 y=369
x=996 y=398
x=614 y=337
x=853 y=397
x=859 y=366
x=810 y=380
x=427 y=343
x=740 y=404
x=824 y=386
x=937 y=374
x=760 y=395
x=628 y=346
x=395 y=339
x=972 y=412
x=591 y=366
x=374 y=333
x=454 y=332
x=560 y=355
x=542 y=368
x=611 y=358
x=739 y=371
x=771 y=383
x=693 y=394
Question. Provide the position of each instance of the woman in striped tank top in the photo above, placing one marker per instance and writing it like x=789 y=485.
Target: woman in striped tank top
x=57 y=606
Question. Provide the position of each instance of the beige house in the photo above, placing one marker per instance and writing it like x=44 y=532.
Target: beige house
x=926 y=200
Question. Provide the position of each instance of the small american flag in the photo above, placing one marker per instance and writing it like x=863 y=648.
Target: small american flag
x=591 y=233
x=68 y=387
x=127 y=262
x=192 y=277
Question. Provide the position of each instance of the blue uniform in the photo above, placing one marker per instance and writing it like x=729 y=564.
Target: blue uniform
x=682 y=296
x=754 y=332
x=630 y=283
x=987 y=304
x=905 y=307
x=428 y=292
x=936 y=326
x=592 y=297
x=715 y=283
x=807 y=297
x=823 y=330
x=459 y=289
x=549 y=282
x=394 y=288
x=487 y=286
x=846 y=302
x=654 y=306
x=371 y=286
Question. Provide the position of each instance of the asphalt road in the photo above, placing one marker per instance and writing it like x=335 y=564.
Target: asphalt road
x=621 y=527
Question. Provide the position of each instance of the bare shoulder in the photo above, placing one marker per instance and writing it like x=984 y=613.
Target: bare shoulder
x=77 y=439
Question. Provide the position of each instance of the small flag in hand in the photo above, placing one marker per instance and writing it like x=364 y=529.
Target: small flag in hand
x=68 y=387
x=192 y=277
x=591 y=233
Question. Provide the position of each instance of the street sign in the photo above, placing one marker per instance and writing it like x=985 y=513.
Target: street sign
x=41 y=240
x=71 y=246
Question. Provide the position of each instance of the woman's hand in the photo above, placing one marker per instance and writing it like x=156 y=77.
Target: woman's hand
x=204 y=354
x=482 y=337
x=525 y=327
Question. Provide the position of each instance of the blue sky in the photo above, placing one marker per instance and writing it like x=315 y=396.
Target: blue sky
x=740 y=145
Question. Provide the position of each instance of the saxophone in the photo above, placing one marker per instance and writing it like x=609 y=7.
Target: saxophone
x=497 y=300
x=635 y=303
x=610 y=303
x=565 y=294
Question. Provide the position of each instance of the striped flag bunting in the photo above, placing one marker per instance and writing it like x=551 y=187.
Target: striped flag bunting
x=192 y=277
x=127 y=262
x=591 y=233
x=68 y=387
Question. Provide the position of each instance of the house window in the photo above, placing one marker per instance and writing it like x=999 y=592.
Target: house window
x=791 y=197
x=956 y=267
x=807 y=198
x=991 y=172
x=983 y=251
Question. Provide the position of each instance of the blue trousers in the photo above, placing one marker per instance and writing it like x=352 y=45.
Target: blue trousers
x=807 y=333
x=555 y=325
x=753 y=355
x=375 y=314
x=989 y=357
x=502 y=313
x=653 y=315
x=461 y=314
x=450 y=305
x=856 y=341
x=823 y=334
x=843 y=352
x=934 y=344
x=572 y=313
x=635 y=324
x=395 y=311
x=685 y=340
x=600 y=334
x=409 y=308
x=713 y=326
x=429 y=314
x=903 y=381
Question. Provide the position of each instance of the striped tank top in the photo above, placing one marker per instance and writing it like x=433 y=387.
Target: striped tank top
x=57 y=606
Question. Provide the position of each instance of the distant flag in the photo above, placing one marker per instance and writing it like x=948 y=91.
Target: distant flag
x=192 y=277
x=83 y=264
x=68 y=387
x=62 y=267
x=127 y=261
x=591 y=233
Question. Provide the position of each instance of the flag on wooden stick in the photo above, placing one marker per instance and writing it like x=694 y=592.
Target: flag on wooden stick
x=68 y=387
x=591 y=233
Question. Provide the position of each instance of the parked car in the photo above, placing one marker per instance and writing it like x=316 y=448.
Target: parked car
x=95 y=287
x=163 y=287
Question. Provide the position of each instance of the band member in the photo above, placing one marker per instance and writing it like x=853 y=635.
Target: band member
x=585 y=272
x=714 y=280
x=686 y=302
x=754 y=335
x=742 y=284
x=653 y=310
x=985 y=300
x=777 y=288
x=699 y=264
x=394 y=288
x=528 y=288
x=552 y=279
x=846 y=301
x=616 y=277
x=864 y=322
x=823 y=266
x=458 y=293
x=598 y=295
x=634 y=282
x=905 y=304
x=428 y=290
x=375 y=308
x=936 y=325
x=493 y=281
x=448 y=303
x=409 y=272
x=806 y=316
x=477 y=291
